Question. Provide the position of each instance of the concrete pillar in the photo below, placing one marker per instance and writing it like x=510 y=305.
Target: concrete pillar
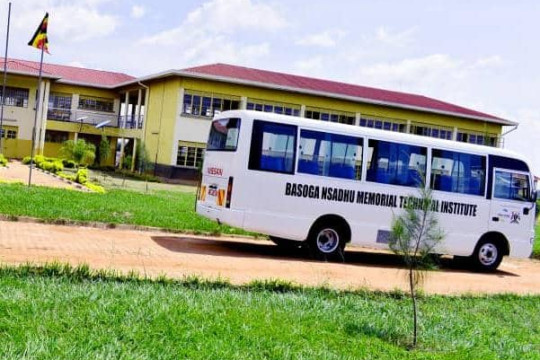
x=243 y=102
x=408 y=127
x=133 y=154
x=357 y=119
x=302 y=110
x=454 y=134
x=138 y=108
x=43 y=118
x=126 y=109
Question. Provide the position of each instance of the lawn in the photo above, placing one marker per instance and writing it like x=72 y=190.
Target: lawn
x=69 y=316
x=173 y=210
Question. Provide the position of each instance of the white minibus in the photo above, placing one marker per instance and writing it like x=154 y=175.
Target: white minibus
x=328 y=184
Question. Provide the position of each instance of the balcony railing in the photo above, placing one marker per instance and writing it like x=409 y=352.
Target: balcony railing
x=131 y=121
x=96 y=118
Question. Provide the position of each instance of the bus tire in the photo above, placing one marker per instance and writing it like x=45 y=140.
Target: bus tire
x=327 y=241
x=285 y=243
x=487 y=255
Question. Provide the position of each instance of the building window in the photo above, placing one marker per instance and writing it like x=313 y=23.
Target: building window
x=8 y=132
x=15 y=96
x=55 y=136
x=383 y=124
x=440 y=132
x=190 y=154
x=330 y=115
x=273 y=107
x=478 y=138
x=59 y=106
x=208 y=104
x=96 y=104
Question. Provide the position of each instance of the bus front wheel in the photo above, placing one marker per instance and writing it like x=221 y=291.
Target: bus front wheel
x=327 y=241
x=487 y=255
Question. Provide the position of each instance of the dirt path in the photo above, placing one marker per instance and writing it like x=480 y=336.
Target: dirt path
x=242 y=260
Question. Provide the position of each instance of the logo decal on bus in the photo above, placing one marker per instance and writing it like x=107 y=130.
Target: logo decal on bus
x=515 y=217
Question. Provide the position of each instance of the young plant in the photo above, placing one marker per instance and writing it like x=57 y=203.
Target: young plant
x=415 y=235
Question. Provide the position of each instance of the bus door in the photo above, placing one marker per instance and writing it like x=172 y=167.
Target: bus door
x=512 y=209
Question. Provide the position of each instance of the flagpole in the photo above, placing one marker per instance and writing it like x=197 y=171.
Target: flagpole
x=35 y=117
x=2 y=132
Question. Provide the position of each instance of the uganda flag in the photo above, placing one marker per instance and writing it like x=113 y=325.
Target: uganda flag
x=39 y=40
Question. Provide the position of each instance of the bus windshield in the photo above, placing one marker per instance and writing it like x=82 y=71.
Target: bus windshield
x=224 y=135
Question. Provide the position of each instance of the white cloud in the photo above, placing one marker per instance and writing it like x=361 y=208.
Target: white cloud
x=208 y=33
x=137 y=11
x=328 y=38
x=524 y=139
x=313 y=66
x=399 y=39
x=220 y=17
x=67 y=20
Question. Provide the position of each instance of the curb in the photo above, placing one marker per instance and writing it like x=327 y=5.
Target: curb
x=114 y=226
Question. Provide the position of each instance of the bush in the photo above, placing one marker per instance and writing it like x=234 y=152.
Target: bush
x=95 y=188
x=69 y=164
x=26 y=160
x=3 y=160
x=82 y=176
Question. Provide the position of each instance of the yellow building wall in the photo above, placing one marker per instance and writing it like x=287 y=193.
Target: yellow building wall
x=84 y=90
x=338 y=105
x=160 y=119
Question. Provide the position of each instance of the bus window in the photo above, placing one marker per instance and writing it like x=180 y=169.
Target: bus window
x=457 y=172
x=512 y=186
x=272 y=147
x=396 y=164
x=224 y=135
x=331 y=155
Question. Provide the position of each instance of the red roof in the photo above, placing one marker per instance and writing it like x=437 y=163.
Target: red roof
x=70 y=74
x=337 y=88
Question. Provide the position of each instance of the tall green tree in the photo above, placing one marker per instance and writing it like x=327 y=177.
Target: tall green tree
x=80 y=151
x=415 y=235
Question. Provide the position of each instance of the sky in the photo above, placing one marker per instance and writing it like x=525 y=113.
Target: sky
x=481 y=54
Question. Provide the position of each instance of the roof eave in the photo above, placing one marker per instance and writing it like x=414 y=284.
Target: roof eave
x=184 y=73
x=28 y=73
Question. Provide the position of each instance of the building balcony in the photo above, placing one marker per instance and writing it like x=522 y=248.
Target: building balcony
x=96 y=118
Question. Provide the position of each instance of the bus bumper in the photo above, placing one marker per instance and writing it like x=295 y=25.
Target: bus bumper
x=522 y=249
x=222 y=216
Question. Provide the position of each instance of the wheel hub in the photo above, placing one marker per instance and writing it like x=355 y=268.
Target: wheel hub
x=327 y=241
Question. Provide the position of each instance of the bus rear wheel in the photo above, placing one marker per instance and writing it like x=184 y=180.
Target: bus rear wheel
x=487 y=256
x=327 y=241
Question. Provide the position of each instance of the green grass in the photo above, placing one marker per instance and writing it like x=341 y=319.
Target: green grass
x=163 y=209
x=536 y=247
x=72 y=314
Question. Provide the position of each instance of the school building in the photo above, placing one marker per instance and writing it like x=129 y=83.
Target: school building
x=170 y=112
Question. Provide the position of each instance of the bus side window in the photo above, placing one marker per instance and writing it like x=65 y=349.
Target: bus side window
x=332 y=155
x=272 y=147
x=457 y=172
x=396 y=164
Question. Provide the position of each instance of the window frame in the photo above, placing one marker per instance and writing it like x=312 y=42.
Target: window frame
x=482 y=185
x=256 y=154
x=511 y=172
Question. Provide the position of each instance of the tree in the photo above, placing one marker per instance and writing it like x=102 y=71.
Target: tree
x=104 y=149
x=80 y=151
x=415 y=236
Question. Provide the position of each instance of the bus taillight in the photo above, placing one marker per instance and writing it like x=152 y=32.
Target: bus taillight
x=229 y=192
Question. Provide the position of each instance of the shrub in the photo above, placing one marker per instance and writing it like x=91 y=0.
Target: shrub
x=57 y=166
x=69 y=164
x=82 y=176
x=38 y=159
x=26 y=160
x=3 y=160
x=95 y=188
x=46 y=165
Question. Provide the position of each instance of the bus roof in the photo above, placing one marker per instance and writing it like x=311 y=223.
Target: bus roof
x=376 y=133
